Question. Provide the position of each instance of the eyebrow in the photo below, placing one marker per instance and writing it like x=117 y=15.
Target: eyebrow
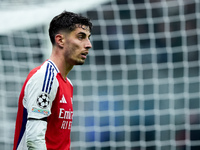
x=83 y=33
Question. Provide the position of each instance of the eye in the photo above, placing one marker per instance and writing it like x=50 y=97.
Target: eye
x=80 y=37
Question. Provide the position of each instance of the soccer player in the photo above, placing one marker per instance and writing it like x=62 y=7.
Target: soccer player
x=45 y=109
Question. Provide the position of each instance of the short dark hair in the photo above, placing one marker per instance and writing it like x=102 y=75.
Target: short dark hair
x=66 y=21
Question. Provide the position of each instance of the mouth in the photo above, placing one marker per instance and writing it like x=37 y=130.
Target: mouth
x=84 y=55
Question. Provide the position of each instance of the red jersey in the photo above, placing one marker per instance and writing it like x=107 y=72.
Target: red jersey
x=45 y=110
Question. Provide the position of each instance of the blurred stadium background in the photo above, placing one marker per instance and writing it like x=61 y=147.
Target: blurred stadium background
x=139 y=88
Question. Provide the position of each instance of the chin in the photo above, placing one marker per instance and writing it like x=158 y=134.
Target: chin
x=80 y=63
x=77 y=62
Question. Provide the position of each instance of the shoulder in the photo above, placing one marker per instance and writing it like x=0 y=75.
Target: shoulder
x=44 y=77
x=47 y=69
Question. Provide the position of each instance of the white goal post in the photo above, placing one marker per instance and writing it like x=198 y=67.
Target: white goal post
x=23 y=16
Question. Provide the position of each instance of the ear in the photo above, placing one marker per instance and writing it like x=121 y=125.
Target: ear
x=59 y=39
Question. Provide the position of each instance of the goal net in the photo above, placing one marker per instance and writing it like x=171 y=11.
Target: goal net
x=138 y=89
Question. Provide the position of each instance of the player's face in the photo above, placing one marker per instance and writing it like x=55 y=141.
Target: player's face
x=77 y=45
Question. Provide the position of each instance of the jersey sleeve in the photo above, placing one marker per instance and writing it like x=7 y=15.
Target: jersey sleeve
x=35 y=136
x=40 y=92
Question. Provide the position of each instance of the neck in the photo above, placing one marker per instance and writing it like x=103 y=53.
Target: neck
x=59 y=61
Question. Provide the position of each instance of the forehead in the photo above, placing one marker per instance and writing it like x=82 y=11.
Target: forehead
x=80 y=29
x=84 y=27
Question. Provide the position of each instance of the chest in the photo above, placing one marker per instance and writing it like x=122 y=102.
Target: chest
x=62 y=106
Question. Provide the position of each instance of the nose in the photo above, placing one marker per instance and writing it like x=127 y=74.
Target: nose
x=88 y=44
